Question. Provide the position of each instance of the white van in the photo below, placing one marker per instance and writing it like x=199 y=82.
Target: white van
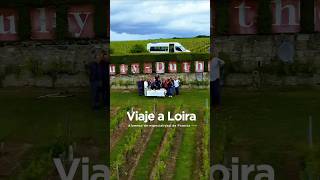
x=166 y=47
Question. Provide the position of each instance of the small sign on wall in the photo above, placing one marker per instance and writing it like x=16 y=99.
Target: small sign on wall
x=185 y=67
x=80 y=21
x=147 y=68
x=160 y=67
x=199 y=66
x=135 y=69
x=243 y=16
x=43 y=23
x=112 y=69
x=8 y=24
x=172 y=67
x=123 y=69
x=286 y=16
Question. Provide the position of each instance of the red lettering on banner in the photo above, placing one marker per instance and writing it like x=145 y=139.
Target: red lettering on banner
x=286 y=16
x=112 y=69
x=185 y=67
x=135 y=69
x=43 y=23
x=8 y=24
x=172 y=67
x=80 y=19
x=123 y=69
x=317 y=15
x=147 y=68
x=243 y=17
x=199 y=66
x=160 y=67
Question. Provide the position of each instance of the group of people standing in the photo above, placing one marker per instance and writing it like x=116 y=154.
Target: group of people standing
x=172 y=85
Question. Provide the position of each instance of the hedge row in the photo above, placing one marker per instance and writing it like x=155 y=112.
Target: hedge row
x=147 y=57
x=153 y=58
x=264 y=16
x=24 y=27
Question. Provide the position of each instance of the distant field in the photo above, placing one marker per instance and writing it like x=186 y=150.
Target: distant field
x=192 y=44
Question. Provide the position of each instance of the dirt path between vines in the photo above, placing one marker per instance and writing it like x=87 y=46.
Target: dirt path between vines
x=198 y=169
x=171 y=163
x=164 y=140
x=135 y=159
x=138 y=150
x=118 y=133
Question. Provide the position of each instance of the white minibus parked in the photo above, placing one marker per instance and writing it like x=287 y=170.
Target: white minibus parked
x=166 y=47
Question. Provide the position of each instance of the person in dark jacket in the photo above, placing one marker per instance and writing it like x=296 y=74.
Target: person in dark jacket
x=140 y=84
x=104 y=68
x=98 y=79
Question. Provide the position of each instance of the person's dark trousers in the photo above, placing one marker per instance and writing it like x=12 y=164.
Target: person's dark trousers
x=104 y=95
x=95 y=94
x=177 y=90
x=172 y=91
x=140 y=88
x=215 y=92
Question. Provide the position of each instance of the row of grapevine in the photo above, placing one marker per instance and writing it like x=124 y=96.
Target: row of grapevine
x=118 y=118
x=160 y=165
x=119 y=158
x=206 y=139
x=164 y=152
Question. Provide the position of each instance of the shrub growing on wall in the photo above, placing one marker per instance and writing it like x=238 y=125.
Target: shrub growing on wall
x=138 y=48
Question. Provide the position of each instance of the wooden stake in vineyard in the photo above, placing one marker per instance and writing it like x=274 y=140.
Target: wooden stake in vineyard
x=310 y=144
x=310 y=139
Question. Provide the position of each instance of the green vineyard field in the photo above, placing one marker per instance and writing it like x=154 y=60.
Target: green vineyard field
x=195 y=45
x=161 y=153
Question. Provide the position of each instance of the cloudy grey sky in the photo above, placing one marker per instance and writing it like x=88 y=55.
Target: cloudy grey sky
x=153 y=19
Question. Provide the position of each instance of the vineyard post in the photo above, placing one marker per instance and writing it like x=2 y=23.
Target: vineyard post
x=2 y=148
x=310 y=141
x=118 y=177
x=207 y=107
x=154 y=105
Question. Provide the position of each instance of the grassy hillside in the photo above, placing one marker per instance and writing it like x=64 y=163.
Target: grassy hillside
x=192 y=44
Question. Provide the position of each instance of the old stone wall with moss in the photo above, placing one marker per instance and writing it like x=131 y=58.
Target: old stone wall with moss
x=252 y=60
x=46 y=64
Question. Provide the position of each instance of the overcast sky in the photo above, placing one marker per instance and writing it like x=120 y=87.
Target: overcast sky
x=153 y=19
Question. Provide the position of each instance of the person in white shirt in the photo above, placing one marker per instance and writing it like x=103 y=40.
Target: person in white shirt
x=146 y=86
x=177 y=85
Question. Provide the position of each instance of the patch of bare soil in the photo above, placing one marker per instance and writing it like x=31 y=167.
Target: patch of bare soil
x=164 y=140
x=198 y=168
x=118 y=133
x=171 y=163
x=134 y=157
x=114 y=111
x=10 y=157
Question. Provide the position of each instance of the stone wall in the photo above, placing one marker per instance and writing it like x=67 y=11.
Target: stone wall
x=45 y=64
x=252 y=60
x=188 y=80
